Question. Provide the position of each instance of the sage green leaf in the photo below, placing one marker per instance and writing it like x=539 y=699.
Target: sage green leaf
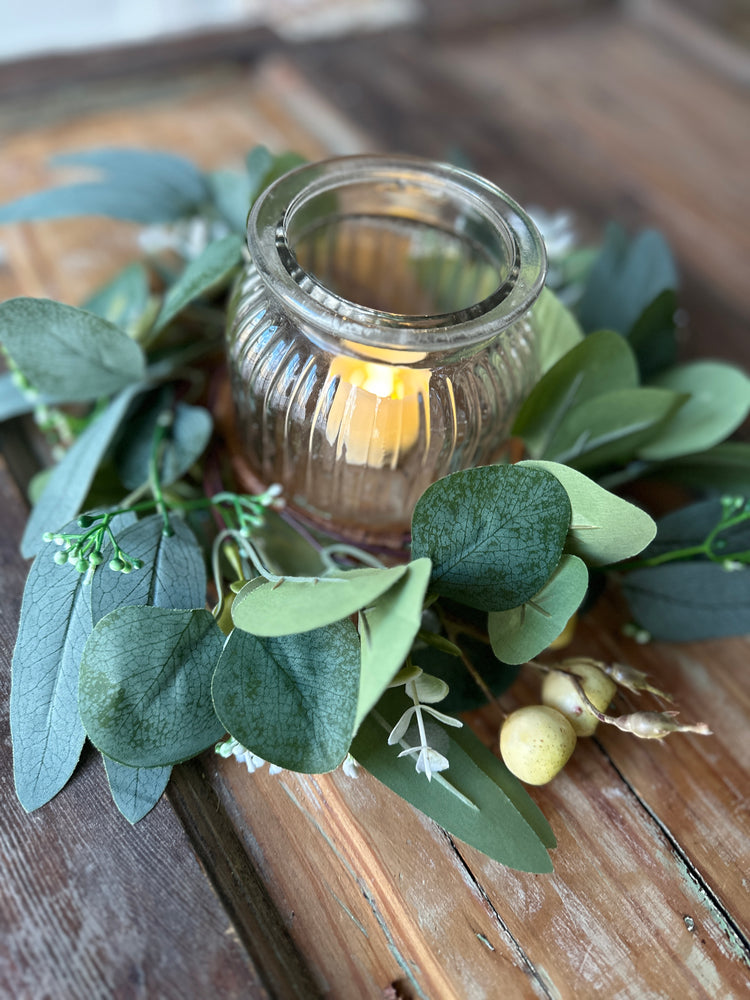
x=299 y=604
x=71 y=479
x=232 y=193
x=136 y=185
x=612 y=428
x=653 y=336
x=145 y=685
x=173 y=574
x=47 y=732
x=13 y=401
x=284 y=550
x=124 y=299
x=387 y=631
x=686 y=601
x=604 y=528
x=477 y=799
x=291 y=699
x=601 y=364
x=184 y=442
x=494 y=534
x=724 y=468
x=557 y=329
x=68 y=353
x=258 y=162
x=719 y=403
x=213 y=267
x=626 y=277
x=520 y=634
x=135 y=790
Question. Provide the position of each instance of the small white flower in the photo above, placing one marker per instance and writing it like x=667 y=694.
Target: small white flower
x=231 y=748
x=428 y=760
x=350 y=767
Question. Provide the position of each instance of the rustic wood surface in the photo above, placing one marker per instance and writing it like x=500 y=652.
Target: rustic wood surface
x=294 y=886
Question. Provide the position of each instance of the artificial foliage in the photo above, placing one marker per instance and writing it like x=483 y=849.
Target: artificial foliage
x=313 y=653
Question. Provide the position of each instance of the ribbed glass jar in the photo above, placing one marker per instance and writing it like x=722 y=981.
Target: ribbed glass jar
x=379 y=337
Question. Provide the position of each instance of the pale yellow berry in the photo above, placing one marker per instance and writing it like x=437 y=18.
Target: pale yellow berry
x=559 y=692
x=536 y=743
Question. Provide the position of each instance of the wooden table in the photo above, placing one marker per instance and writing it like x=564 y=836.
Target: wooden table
x=295 y=886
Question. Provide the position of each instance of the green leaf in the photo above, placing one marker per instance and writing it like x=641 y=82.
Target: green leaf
x=136 y=185
x=124 y=299
x=213 y=267
x=725 y=468
x=686 y=601
x=477 y=799
x=626 y=278
x=601 y=364
x=68 y=353
x=604 y=528
x=520 y=634
x=135 y=790
x=232 y=193
x=184 y=442
x=690 y=526
x=719 y=403
x=291 y=699
x=387 y=631
x=145 y=685
x=13 y=401
x=173 y=573
x=280 y=164
x=557 y=329
x=71 y=479
x=284 y=550
x=47 y=732
x=612 y=428
x=494 y=534
x=465 y=694
x=299 y=604
x=653 y=336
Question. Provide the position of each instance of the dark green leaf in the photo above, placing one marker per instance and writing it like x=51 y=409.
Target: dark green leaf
x=725 y=468
x=685 y=601
x=520 y=634
x=297 y=604
x=145 y=685
x=213 y=267
x=612 y=428
x=477 y=799
x=602 y=363
x=183 y=444
x=464 y=693
x=135 y=790
x=47 y=731
x=124 y=299
x=719 y=403
x=387 y=631
x=557 y=330
x=71 y=479
x=173 y=573
x=136 y=185
x=68 y=353
x=626 y=278
x=291 y=699
x=494 y=534
x=690 y=526
x=653 y=336
x=604 y=528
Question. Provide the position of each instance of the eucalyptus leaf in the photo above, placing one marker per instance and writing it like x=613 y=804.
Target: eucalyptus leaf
x=724 y=468
x=299 y=604
x=70 y=480
x=477 y=799
x=213 y=267
x=520 y=634
x=124 y=299
x=135 y=185
x=464 y=693
x=145 y=685
x=685 y=601
x=387 y=631
x=653 y=336
x=13 y=401
x=47 y=732
x=259 y=162
x=719 y=403
x=232 y=193
x=626 y=278
x=604 y=528
x=690 y=526
x=494 y=534
x=291 y=699
x=601 y=364
x=284 y=550
x=184 y=442
x=68 y=353
x=173 y=574
x=612 y=428
x=557 y=329
x=135 y=790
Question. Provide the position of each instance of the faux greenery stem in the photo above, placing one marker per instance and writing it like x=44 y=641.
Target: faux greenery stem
x=706 y=548
x=163 y=424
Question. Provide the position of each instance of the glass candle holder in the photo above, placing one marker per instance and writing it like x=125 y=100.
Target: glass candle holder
x=379 y=337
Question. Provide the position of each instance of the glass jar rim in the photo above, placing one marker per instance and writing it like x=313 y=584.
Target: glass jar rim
x=339 y=319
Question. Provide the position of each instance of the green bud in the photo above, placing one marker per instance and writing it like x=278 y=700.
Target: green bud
x=127 y=568
x=82 y=565
x=85 y=521
x=48 y=537
x=96 y=559
x=116 y=565
x=61 y=558
x=137 y=564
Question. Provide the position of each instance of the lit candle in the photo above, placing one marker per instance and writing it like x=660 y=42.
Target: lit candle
x=377 y=411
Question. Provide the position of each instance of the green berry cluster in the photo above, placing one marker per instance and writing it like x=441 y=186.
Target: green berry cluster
x=84 y=549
